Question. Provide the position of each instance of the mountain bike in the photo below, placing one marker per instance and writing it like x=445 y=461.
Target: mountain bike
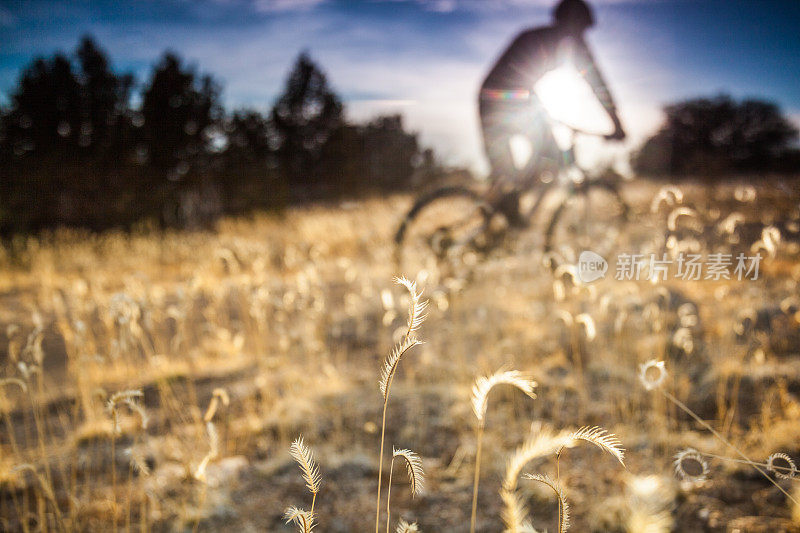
x=450 y=229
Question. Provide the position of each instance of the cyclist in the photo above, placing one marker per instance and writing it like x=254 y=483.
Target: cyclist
x=508 y=107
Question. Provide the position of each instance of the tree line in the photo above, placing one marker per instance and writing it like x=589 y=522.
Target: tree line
x=82 y=145
x=76 y=150
x=719 y=137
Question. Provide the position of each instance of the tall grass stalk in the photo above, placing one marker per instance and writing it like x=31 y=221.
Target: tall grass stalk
x=416 y=477
x=480 y=398
x=416 y=315
x=128 y=398
x=563 y=506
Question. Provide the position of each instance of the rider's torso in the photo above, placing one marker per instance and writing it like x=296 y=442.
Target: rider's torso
x=532 y=54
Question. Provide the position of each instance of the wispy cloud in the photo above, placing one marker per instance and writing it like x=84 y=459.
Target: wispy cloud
x=277 y=6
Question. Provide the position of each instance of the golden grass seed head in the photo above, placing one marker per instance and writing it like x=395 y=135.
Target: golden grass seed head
x=389 y=367
x=304 y=457
x=417 y=308
x=138 y=461
x=669 y=195
x=484 y=384
x=652 y=374
x=129 y=398
x=602 y=439
x=416 y=475
x=675 y=214
x=304 y=520
x=405 y=527
x=788 y=471
x=693 y=460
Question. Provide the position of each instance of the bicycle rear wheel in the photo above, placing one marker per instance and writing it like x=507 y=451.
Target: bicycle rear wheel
x=593 y=218
x=443 y=234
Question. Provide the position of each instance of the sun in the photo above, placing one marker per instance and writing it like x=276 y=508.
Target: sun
x=568 y=98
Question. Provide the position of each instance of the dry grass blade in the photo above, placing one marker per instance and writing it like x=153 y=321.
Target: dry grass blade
x=480 y=400
x=139 y=462
x=305 y=458
x=405 y=527
x=669 y=194
x=219 y=395
x=563 y=506
x=602 y=439
x=416 y=315
x=484 y=385
x=390 y=364
x=541 y=443
x=416 y=475
x=213 y=452
x=135 y=407
x=46 y=489
x=588 y=324
x=417 y=307
x=123 y=396
x=672 y=219
x=129 y=398
x=304 y=520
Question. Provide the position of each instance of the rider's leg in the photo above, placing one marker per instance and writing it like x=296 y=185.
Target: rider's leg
x=497 y=132
x=500 y=122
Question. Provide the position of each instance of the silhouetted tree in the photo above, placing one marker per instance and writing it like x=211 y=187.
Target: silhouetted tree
x=247 y=168
x=392 y=153
x=65 y=135
x=46 y=107
x=105 y=141
x=305 y=117
x=41 y=144
x=105 y=97
x=74 y=152
x=180 y=113
x=711 y=136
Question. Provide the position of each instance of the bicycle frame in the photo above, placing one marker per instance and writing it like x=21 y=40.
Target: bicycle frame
x=568 y=154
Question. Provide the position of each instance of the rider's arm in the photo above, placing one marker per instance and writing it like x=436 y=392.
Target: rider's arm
x=584 y=62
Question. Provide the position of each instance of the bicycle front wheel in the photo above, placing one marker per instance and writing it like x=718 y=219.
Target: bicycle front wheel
x=593 y=218
x=443 y=234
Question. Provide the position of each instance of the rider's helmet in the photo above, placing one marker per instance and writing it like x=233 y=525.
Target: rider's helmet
x=575 y=14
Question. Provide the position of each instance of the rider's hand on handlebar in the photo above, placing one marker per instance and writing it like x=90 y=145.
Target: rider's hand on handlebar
x=619 y=133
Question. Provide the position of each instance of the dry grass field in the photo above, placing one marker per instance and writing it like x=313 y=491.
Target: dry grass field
x=157 y=382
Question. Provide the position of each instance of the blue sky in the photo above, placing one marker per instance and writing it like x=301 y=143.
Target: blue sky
x=425 y=58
